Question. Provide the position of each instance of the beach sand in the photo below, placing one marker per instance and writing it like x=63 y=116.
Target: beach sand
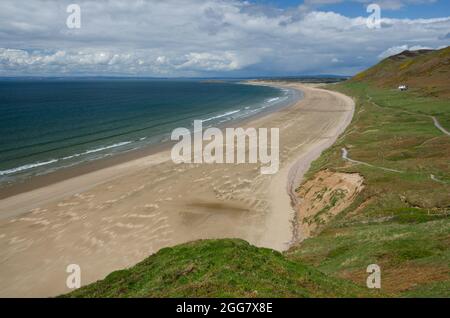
x=114 y=217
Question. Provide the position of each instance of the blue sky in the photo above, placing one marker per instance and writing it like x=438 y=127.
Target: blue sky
x=419 y=9
x=213 y=38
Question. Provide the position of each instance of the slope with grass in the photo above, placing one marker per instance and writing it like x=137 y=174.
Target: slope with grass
x=401 y=219
x=220 y=268
x=426 y=72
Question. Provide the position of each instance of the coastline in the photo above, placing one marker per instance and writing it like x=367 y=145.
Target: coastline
x=113 y=217
x=63 y=174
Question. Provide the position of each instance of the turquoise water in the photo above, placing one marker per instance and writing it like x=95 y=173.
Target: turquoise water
x=53 y=123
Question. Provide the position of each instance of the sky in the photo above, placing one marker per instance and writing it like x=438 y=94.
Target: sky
x=213 y=38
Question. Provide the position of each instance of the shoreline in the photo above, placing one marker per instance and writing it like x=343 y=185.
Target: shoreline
x=38 y=181
x=114 y=217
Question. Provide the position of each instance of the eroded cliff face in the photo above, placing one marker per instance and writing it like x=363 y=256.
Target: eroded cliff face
x=324 y=196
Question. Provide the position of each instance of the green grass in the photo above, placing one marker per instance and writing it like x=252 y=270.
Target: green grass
x=394 y=137
x=388 y=243
x=220 y=268
x=426 y=73
x=411 y=256
x=439 y=289
x=400 y=221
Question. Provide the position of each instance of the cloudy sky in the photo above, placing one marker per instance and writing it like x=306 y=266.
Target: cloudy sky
x=222 y=38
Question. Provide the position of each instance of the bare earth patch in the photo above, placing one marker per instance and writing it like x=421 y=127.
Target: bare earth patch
x=399 y=279
x=323 y=197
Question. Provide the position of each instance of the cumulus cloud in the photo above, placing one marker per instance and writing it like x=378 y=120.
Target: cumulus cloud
x=400 y=48
x=384 y=4
x=139 y=61
x=218 y=61
x=198 y=38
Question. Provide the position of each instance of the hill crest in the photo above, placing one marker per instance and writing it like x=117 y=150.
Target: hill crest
x=426 y=72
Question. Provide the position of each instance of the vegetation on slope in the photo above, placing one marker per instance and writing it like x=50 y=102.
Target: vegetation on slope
x=401 y=220
x=219 y=268
x=426 y=71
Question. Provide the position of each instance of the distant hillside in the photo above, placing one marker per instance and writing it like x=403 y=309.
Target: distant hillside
x=220 y=268
x=425 y=71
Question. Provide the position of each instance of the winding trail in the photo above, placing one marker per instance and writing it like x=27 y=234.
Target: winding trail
x=433 y=118
x=435 y=122
x=439 y=126
x=345 y=157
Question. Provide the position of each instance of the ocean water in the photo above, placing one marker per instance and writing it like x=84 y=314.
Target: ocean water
x=49 y=124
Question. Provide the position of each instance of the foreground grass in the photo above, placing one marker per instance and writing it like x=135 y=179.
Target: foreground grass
x=220 y=268
x=414 y=257
x=400 y=220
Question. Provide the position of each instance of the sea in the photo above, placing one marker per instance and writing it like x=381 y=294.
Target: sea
x=47 y=124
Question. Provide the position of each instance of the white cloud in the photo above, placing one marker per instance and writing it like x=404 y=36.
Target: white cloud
x=198 y=37
x=400 y=48
x=107 y=60
x=217 y=61
x=384 y=4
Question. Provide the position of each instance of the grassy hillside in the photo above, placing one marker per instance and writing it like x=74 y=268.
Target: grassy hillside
x=219 y=268
x=401 y=220
x=426 y=72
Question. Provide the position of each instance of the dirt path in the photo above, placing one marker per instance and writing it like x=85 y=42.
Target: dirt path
x=433 y=118
x=438 y=126
x=435 y=122
x=345 y=157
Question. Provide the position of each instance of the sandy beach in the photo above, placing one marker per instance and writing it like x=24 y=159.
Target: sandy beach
x=114 y=217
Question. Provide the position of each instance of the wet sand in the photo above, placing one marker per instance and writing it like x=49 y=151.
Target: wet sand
x=114 y=217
